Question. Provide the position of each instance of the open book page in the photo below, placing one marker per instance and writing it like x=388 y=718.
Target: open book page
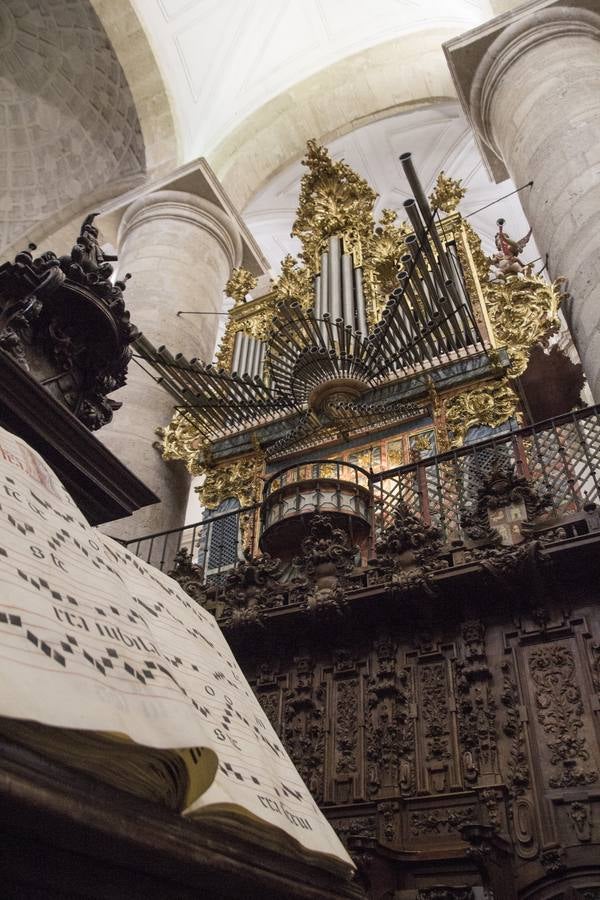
x=92 y=638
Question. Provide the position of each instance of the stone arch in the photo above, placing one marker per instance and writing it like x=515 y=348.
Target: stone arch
x=375 y=83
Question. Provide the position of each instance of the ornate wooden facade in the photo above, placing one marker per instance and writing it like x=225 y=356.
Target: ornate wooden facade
x=441 y=702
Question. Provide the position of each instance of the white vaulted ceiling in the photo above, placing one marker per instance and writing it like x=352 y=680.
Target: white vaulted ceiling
x=223 y=59
x=438 y=138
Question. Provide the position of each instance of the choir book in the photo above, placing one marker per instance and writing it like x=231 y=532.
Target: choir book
x=108 y=667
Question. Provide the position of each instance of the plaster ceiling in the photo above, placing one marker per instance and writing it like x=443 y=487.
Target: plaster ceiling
x=223 y=59
x=438 y=138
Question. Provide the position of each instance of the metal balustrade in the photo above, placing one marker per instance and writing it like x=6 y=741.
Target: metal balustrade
x=560 y=456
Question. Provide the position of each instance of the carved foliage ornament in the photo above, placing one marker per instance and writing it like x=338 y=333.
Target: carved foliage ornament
x=489 y=404
x=240 y=283
x=79 y=359
x=251 y=588
x=181 y=440
x=294 y=283
x=560 y=713
x=523 y=310
x=326 y=555
x=517 y=774
x=240 y=479
x=447 y=193
x=304 y=725
x=334 y=200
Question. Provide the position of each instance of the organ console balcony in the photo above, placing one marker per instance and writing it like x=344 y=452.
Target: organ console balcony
x=295 y=494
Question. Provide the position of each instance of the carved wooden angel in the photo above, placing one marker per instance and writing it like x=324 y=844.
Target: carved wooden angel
x=506 y=261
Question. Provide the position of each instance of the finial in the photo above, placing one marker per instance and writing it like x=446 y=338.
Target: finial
x=240 y=283
x=447 y=193
x=294 y=283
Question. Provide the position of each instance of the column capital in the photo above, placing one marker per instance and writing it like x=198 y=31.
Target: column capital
x=479 y=59
x=168 y=204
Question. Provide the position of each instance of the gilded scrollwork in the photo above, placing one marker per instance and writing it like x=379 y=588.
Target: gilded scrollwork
x=523 y=310
x=181 y=440
x=489 y=404
x=388 y=247
x=334 y=200
x=447 y=193
x=294 y=283
x=241 y=479
x=240 y=283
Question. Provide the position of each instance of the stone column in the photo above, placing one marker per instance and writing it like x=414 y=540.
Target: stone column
x=180 y=250
x=530 y=84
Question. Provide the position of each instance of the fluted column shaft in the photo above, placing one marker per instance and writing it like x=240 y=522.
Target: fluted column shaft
x=535 y=100
x=180 y=250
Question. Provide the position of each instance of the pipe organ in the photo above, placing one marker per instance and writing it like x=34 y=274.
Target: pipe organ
x=329 y=415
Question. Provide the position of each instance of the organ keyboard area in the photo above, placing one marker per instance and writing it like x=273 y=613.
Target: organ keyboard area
x=348 y=348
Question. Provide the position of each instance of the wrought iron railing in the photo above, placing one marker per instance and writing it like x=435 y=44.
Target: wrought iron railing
x=560 y=456
x=215 y=544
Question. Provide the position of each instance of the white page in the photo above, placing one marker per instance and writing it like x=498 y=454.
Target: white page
x=93 y=638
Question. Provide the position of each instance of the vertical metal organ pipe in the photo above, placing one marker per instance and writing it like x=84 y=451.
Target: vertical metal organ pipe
x=348 y=290
x=360 y=302
x=335 y=278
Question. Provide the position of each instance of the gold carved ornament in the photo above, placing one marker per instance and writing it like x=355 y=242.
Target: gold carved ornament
x=523 y=310
x=489 y=404
x=447 y=193
x=336 y=201
x=387 y=248
x=240 y=283
x=294 y=283
x=182 y=440
x=241 y=479
x=253 y=318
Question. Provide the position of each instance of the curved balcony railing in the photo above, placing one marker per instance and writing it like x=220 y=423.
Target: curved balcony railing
x=329 y=486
